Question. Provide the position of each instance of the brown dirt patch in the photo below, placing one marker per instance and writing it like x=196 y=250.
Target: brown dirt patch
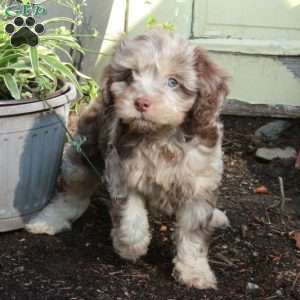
x=257 y=249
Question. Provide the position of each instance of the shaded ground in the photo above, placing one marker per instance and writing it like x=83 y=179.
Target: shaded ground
x=258 y=249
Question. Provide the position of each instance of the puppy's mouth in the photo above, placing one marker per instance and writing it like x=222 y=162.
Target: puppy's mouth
x=143 y=125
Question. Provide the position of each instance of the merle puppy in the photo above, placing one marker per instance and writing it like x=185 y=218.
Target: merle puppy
x=156 y=134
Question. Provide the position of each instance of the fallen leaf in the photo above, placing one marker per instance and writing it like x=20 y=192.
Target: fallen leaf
x=261 y=190
x=276 y=258
x=297 y=239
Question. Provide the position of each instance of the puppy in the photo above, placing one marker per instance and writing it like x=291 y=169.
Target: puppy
x=155 y=134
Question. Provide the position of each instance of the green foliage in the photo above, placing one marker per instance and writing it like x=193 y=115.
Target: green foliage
x=36 y=73
x=152 y=23
x=89 y=91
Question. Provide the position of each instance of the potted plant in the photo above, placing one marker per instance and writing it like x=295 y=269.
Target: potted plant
x=36 y=89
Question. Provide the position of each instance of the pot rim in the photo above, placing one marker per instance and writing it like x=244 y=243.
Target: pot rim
x=14 y=108
x=61 y=91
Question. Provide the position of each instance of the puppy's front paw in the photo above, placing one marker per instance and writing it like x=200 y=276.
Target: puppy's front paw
x=130 y=250
x=43 y=224
x=219 y=219
x=195 y=276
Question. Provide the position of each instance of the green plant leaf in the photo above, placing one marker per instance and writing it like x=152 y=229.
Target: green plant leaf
x=58 y=20
x=63 y=50
x=53 y=62
x=34 y=59
x=168 y=26
x=5 y=60
x=58 y=37
x=36 y=72
x=46 y=71
x=62 y=40
x=83 y=76
x=5 y=69
x=12 y=86
x=151 y=21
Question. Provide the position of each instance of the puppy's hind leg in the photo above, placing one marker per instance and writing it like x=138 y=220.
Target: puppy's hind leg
x=68 y=206
x=193 y=231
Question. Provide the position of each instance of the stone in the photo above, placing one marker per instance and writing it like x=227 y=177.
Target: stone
x=272 y=131
x=19 y=269
x=252 y=286
x=272 y=153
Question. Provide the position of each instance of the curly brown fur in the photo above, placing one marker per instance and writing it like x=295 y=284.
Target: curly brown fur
x=156 y=130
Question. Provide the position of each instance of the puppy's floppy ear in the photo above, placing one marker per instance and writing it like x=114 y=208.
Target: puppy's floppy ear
x=106 y=82
x=111 y=130
x=110 y=122
x=212 y=90
x=95 y=122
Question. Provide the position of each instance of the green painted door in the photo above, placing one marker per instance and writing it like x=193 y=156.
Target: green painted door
x=258 y=42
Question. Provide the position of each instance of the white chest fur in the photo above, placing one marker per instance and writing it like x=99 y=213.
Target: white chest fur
x=173 y=172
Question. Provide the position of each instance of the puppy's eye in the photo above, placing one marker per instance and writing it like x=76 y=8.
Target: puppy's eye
x=172 y=83
x=129 y=76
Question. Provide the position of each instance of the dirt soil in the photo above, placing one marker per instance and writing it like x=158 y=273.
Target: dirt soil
x=256 y=258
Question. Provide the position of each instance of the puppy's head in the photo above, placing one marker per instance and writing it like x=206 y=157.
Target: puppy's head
x=160 y=80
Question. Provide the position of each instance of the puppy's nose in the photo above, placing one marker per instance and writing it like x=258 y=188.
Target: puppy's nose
x=142 y=104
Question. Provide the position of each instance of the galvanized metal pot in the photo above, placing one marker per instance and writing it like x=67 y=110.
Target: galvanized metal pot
x=31 y=145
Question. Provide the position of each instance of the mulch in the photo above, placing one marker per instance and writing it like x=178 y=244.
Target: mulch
x=256 y=258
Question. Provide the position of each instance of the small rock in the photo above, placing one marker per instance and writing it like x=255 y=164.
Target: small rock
x=252 y=286
x=19 y=269
x=163 y=228
x=28 y=283
x=272 y=153
x=272 y=131
x=244 y=230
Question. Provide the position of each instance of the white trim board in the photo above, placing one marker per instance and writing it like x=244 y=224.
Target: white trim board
x=251 y=46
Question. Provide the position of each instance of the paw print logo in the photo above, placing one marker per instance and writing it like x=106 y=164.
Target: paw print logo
x=24 y=31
